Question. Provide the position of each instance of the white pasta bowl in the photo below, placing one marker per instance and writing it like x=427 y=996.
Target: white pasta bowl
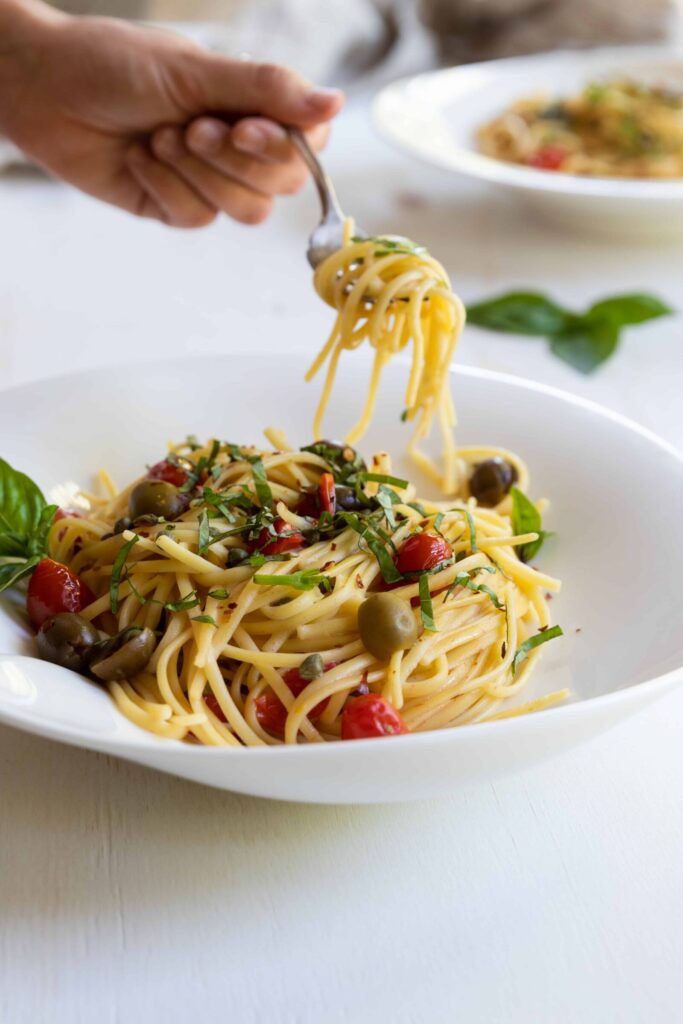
x=616 y=493
x=435 y=116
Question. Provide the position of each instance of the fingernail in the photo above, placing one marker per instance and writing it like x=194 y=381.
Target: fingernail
x=207 y=136
x=320 y=98
x=250 y=138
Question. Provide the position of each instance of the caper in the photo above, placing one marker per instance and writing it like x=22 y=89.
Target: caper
x=156 y=498
x=68 y=640
x=347 y=499
x=124 y=655
x=124 y=523
x=386 y=624
x=491 y=481
x=236 y=556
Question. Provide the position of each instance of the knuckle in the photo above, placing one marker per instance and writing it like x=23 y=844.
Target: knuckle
x=271 y=77
x=294 y=183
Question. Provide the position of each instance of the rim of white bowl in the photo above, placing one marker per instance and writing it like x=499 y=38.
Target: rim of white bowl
x=453 y=735
x=413 y=92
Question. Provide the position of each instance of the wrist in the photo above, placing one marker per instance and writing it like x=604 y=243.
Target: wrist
x=25 y=26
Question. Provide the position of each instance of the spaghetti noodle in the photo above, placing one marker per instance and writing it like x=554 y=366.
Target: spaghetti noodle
x=394 y=295
x=254 y=592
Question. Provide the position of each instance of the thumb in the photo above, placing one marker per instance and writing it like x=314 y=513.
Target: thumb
x=272 y=90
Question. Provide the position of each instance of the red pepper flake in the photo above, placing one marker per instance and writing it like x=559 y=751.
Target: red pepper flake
x=233 y=604
x=359 y=582
x=578 y=630
x=503 y=649
x=333 y=546
x=548 y=597
x=328 y=565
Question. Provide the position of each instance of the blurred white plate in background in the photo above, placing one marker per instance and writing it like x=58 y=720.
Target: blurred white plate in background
x=616 y=493
x=436 y=115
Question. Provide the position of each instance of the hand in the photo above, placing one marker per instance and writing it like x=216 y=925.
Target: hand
x=150 y=122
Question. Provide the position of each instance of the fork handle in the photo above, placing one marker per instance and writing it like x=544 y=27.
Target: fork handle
x=332 y=211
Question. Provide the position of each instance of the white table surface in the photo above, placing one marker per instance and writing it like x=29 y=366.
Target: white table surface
x=129 y=896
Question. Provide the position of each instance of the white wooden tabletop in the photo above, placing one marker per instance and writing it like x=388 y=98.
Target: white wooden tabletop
x=129 y=896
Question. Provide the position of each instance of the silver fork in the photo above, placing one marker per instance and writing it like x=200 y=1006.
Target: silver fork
x=328 y=236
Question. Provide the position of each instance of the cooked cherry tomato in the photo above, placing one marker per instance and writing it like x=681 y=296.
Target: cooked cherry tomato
x=369 y=716
x=212 y=703
x=53 y=589
x=327 y=495
x=421 y=552
x=271 y=712
x=548 y=158
x=167 y=472
x=267 y=545
x=322 y=499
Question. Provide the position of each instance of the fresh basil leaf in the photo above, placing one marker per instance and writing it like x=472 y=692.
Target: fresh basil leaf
x=586 y=345
x=622 y=310
x=21 y=511
x=526 y=519
x=387 y=499
x=463 y=579
x=219 y=594
x=12 y=572
x=382 y=478
x=534 y=641
x=520 y=313
x=426 y=609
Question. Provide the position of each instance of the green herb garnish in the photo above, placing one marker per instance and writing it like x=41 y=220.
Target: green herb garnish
x=204 y=539
x=426 y=609
x=116 y=570
x=534 y=641
x=382 y=478
x=25 y=521
x=526 y=519
x=261 y=485
x=305 y=579
x=219 y=594
x=208 y=619
x=584 y=340
x=464 y=579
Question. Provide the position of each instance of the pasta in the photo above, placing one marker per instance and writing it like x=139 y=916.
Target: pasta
x=619 y=129
x=236 y=596
x=261 y=579
x=393 y=294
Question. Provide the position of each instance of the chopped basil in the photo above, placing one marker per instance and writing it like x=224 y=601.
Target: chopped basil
x=470 y=523
x=382 y=478
x=426 y=609
x=464 y=579
x=204 y=532
x=532 y=642
x=261 y=485
x=219 y=594
x=387 y=499
x=116 y=569
x=305 y=579
x=208 y=619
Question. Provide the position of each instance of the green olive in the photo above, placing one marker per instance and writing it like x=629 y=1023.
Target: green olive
x=386 y=624
x=156 y=498
x=492 y=480
x=68 y=640
x=124 y=655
